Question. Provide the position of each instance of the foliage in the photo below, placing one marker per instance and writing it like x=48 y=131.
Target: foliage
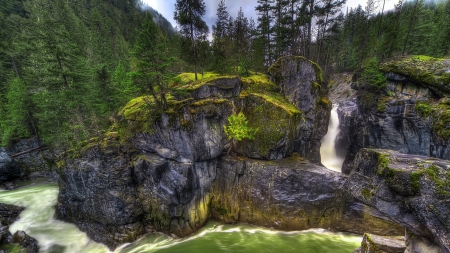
x=372 y=75
x=237 y=128
x=17 y=122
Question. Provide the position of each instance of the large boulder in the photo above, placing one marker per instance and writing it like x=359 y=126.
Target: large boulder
x=409 y=189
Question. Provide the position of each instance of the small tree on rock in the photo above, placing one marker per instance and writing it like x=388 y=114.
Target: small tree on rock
x=238 y=129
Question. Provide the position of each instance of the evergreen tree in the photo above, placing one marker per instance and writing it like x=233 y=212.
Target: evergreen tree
x=153 y=60
x=220 y=47
x=265 y=20
x=188 y=14
x=18 y=121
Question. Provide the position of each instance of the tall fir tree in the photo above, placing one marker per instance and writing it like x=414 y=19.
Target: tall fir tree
x=189 y=14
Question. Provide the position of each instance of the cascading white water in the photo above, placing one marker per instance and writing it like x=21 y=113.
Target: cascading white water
x=327 y=150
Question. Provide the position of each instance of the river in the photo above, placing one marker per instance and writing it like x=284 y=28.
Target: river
x=60 y=237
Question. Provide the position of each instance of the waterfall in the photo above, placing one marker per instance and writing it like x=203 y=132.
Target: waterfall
x=327 y=150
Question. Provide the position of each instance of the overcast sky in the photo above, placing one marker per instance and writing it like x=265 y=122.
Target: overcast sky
x=166 y=8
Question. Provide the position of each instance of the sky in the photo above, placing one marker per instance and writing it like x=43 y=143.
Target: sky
x=167 y=7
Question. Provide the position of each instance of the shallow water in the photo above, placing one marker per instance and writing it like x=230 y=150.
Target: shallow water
x=329 y=158
x=61 y=237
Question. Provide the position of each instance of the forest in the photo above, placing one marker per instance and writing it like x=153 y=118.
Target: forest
x=68 y=66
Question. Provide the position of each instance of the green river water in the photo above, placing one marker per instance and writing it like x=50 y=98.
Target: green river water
x=60 y=237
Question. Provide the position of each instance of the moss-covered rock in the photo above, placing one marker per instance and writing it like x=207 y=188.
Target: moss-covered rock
x=301 y=82
x=409 y=189
x=431 y=72
x=276 y=122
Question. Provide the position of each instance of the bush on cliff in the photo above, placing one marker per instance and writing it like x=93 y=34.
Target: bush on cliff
x=238 y=129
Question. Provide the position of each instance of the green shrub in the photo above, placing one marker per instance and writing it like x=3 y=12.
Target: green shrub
x=372 y=75
x=238 y=129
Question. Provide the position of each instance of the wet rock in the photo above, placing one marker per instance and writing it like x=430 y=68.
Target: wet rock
x=8 y=169
x=9 y=213
x=25 y=241
x=418 y=244
x=33 y=158
x=219 y=87
x=409 y=189
x=382 y=244
x=289 y=194
x=116 y=199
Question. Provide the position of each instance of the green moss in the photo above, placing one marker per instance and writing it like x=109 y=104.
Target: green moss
x=11 y=248
x=185 y=78
x=425 y=70
x=191 y=85
x=381 y=105
x=383 y=162
x=367 y=194
x=423 y=108
x=273 y=116
x=433 y=173
x=415 y=180
x=259 y=84
x=440 y=115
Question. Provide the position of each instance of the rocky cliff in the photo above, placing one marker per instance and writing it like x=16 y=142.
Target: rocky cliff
x=410 y=115
x=412 y=190
x=169 y=171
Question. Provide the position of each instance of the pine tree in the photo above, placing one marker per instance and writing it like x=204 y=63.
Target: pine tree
x=188 y=14
x=221 y=39
x=265 y=20
x=18 y=120
x=153 y=60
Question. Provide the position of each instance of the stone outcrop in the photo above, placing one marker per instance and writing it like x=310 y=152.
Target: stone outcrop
x=382 y=244
x=414 y=118
x=305 y=89
x=8 y=169
x=116 y=199
x=409 y=189
x=20 y=241
x=290 y=194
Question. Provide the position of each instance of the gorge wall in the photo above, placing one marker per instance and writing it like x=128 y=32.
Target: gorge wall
x=170 y=172
x=412 y=114
x=174 y=170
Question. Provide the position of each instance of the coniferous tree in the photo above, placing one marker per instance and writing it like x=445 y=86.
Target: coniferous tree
x=220 y=45
x=153 y=60
x=265 y=20
x=188 y=14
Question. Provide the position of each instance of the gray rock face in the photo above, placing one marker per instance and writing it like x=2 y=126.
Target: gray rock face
x=37 y=163
x=378 y=244
x=411 y=190
x=9 y=213
x=418 y=244
x=299 y=81
x=116 y=199
x=397 y=126
x=290 y=194
x=400 y=127
x=8 y=169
